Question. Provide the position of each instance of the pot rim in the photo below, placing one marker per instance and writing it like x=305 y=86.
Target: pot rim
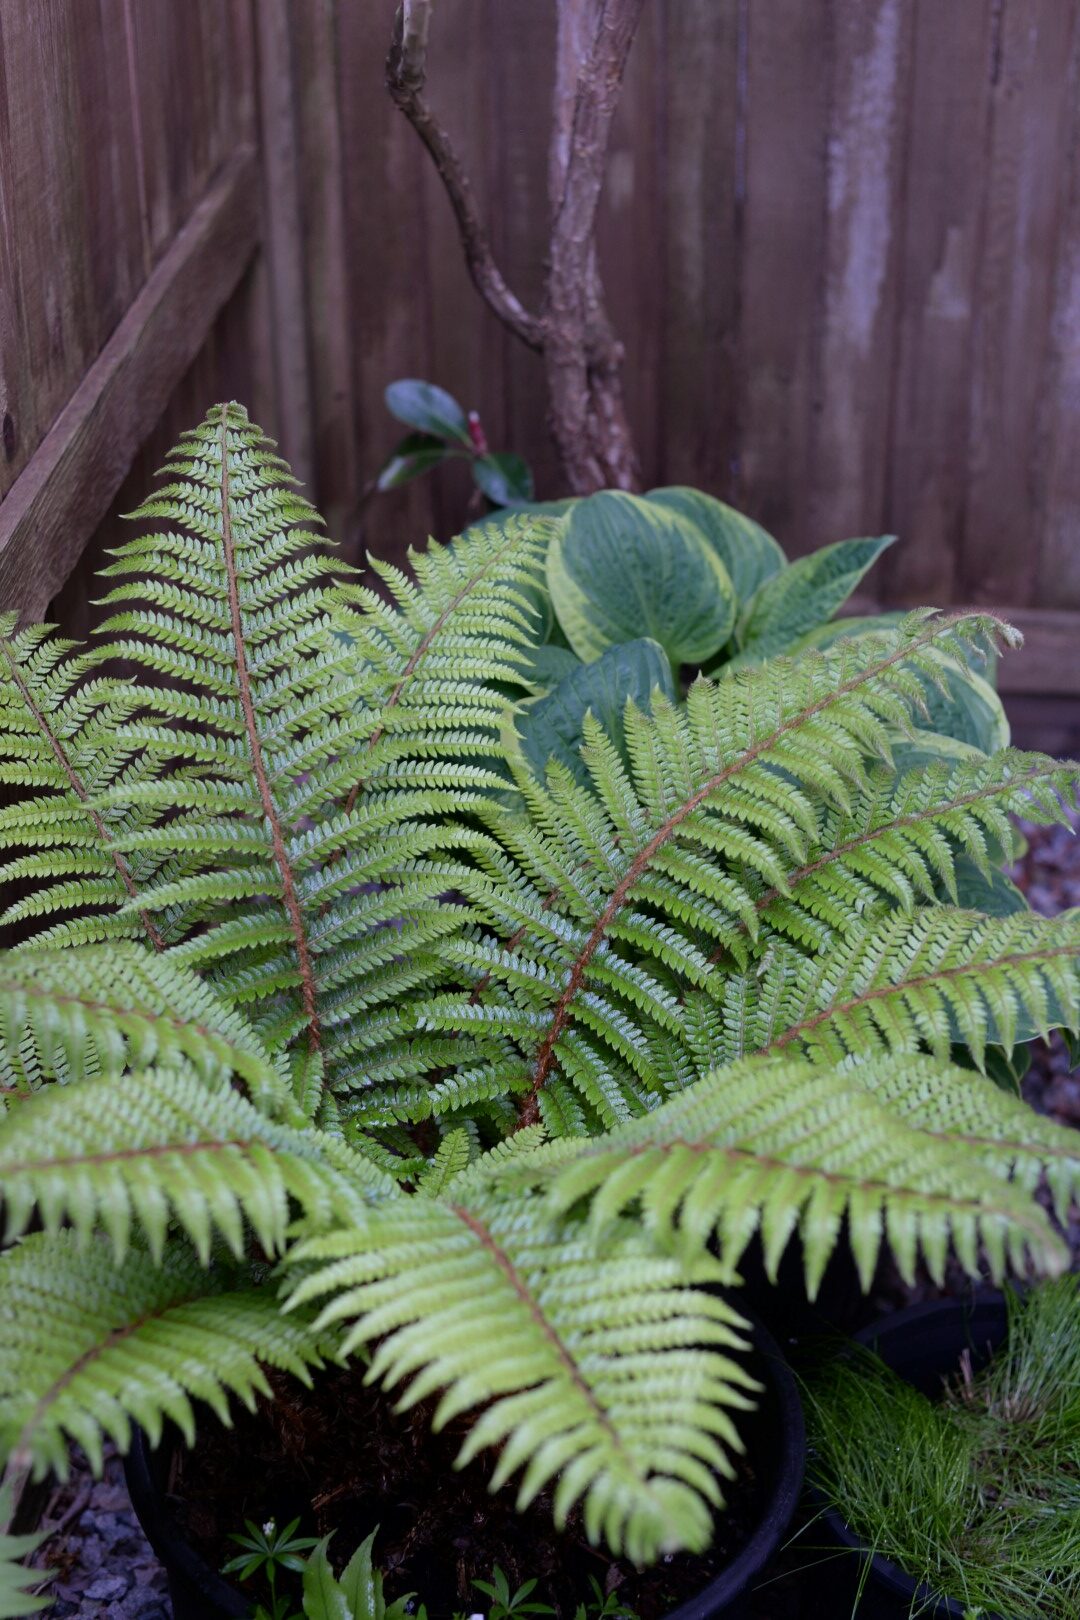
x=178 y=1554
x=912 y=1317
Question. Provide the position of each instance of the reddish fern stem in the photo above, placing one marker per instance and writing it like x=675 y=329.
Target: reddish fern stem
x=528 y=1107
x=290 y=897
x=837 y=1009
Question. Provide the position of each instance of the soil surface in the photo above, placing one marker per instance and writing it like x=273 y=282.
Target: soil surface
x=340 y=1459
x=106 y=1571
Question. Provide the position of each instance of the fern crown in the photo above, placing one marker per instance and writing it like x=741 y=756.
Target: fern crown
x=347 y=1013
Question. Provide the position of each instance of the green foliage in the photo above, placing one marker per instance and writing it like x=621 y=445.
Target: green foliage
x=357 y=1595
x=107 y=1008
x=805 y=594
x=621 y=567
x=744 y=1150
x=551 y=727
x=978 y=1494
x=507 y=1604
x=15 y=1578
x=444 y=431
x=89 y=1345
x=631 y=1356
x=390 y=1017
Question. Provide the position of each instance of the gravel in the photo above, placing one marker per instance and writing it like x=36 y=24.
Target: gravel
x=104 y=1565
x=101 y=1560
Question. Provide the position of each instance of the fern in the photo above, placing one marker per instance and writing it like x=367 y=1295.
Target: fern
x=349 y=997
x=597 y=902
x=608 y=1373
x=900 y=984
x=101 y=1010
x=780 y=1145
x=15 y=1578
x=161 y=1145
x=58 y=742
x=900 y=841
x=88 y=1346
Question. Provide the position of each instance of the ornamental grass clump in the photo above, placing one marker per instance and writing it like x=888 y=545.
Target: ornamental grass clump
x=339 y=1029
x=976 y=1494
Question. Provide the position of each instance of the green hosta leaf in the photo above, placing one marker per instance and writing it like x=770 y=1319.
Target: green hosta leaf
x=834 y=630
x=416 y=454
x=747 y=551
x=995 y=894
x=969 y=711
x=505 y=478
x=422 y=405
x=804 y=595
x=551 y=727
x=15 y=1600
x=544 y=667
x=922 y=748
x=621 y=568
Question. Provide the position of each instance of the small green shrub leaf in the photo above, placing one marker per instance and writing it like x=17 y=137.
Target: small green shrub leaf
x=505 y=478
x=416 y=454
x=422 y=405
x=623 y=567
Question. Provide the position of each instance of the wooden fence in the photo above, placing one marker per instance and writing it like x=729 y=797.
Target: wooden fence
x=841 y=239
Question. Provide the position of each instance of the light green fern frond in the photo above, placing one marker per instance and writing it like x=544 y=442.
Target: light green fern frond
x=780 y=1146
x=904 y=983
x=16 y=1599
x=898 y=844
x=156 y=1146
x=102 y=1009
x=599 y=909
x=88 y=1346
x=59 y=723
x=956 y=1106
x=321 y=748
x=608 y=1377
x=430 y=664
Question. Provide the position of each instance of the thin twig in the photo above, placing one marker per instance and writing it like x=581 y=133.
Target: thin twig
x=405 y=77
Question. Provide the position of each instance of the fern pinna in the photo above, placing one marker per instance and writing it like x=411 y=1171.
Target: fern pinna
x=335 y=1023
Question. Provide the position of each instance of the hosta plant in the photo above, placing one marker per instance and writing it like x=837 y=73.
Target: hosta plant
x=337 y=1030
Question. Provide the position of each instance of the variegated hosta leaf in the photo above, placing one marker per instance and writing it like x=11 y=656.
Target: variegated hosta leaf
x=609 y=1378
x=780 y=1146
x=89 y=1345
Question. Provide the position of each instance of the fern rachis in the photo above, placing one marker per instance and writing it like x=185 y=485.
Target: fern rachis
x=467 y=1055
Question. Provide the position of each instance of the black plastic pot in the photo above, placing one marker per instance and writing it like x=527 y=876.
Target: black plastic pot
x=199 y=1593
x=923 y=1345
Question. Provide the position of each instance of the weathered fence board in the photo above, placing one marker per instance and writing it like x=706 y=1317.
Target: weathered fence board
x=841 y=241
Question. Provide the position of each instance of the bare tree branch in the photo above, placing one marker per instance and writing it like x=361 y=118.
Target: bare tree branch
x=405 y=77
x=583 y=356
